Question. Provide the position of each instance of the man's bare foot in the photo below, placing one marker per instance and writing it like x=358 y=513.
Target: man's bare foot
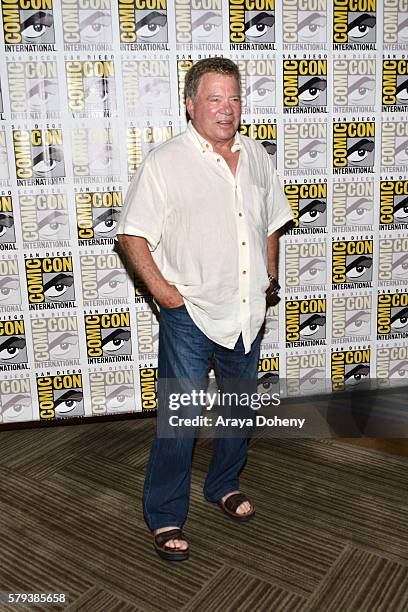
x=243 y=508
x=176 y=544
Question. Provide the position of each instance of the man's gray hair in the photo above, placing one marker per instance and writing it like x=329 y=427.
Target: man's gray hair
x=220 y=65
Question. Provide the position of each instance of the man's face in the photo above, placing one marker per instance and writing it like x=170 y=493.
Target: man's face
x=216 y=109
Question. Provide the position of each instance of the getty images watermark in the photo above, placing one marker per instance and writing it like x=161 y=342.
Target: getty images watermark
x=234 y=410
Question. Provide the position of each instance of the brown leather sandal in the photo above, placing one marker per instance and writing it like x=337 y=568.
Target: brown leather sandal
x=166 y=552
x=230 y=505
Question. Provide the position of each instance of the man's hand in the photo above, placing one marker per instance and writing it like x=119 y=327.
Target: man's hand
x=171 y=298
x=272 y=292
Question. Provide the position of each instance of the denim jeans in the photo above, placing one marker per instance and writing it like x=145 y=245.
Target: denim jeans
x=185 y=352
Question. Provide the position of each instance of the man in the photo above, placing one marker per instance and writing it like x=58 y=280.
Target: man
x=200 y=226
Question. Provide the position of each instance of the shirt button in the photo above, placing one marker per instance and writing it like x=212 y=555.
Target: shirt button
x=244 y=300
x=243 y=271
x=243 y=243
x=240 y=214
x=218 y=159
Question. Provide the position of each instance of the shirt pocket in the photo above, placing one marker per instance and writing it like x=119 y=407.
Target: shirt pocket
x=256 y=208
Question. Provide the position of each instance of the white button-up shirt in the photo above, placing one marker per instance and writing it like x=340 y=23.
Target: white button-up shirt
x=207 y=229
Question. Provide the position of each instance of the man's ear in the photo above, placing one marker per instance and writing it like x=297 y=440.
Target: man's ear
x=190 y=107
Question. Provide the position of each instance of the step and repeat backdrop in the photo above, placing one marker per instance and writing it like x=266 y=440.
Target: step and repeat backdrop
x=88 y=87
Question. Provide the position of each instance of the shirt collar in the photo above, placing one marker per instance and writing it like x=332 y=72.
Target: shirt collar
x=204 y=145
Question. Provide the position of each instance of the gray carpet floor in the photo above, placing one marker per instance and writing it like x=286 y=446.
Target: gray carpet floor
x=331 y=531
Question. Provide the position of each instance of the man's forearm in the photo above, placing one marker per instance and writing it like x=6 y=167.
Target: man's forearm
x=273 y=254
x=141 y=260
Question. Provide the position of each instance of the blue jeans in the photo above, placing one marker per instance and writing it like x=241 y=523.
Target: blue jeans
x=185 y=352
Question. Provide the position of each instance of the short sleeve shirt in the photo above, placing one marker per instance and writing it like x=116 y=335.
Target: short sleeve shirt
x=207 y=229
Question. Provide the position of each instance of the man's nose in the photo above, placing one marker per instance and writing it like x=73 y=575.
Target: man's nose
x=227 y=107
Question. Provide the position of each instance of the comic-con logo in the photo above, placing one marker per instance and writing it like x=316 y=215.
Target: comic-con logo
x=7 y=230
x=305 y=266
x=354 y=24
x=353 y=147
x=305 y=322
x=13 y=344
x=104 y=279
x=394 y=146
x=251 y=22
x=393 y=204
x=108 y=337
x=352 y=204
x=198 y=24
x=148 y=386
x=309 y=206
x=33 y=88
x=146 y=87
x=112 y=392
x=141 y=140
x=50 y=282
x=10 y=294
x=392 y=365
x=55 y=340
x=91 y=87
x=95 y=155
x=270 y=339
x=97 y=214
x=393 y=261
x=305 y=148
x=392 y=315
x=352 y=263
x=28 y=25
x=44 y=220
x=351 y=318
x=305 y=85
x=395 y=25
x=258 y=85
x=265 y=133
x=39 y=156
x=60 y=396
x=305 y=374
x=395 y=85
x=86 y=25
x=268 y=375
x=4 y=167
x=349 y=368
x=15 y=400
x=304 y=24
x=147 y=333
x=354 y=85
x=143 y=22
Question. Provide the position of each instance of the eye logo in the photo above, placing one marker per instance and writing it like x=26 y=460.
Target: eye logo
x=206 y=26
x=353 y=27
x=51 y=280
x=95 y=27
x=260 y=92
x=306 y=321
x=247 y=25
x=353 y=146
x=28 y=25
x=60 y=396
x=312 y=154
x=108 y=337
x=12 y=344
x=7 y=232
x=352 y=262
x=16 y=407
x=312 y=213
